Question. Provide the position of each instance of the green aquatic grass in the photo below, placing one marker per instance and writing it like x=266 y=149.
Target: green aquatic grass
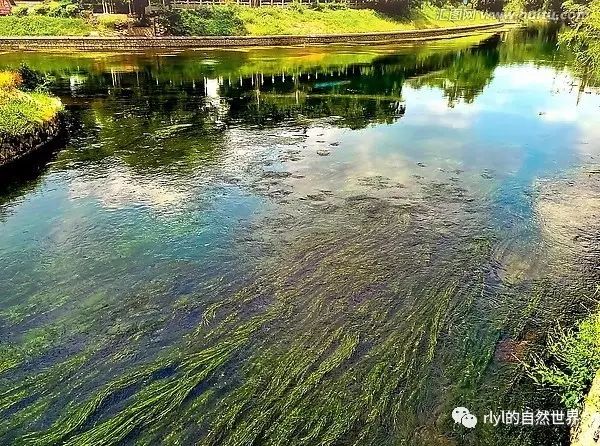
x=308 y=379
x=33 y=343
x=155 y=401
x=345 y=348
x=41 y=385
x=305 y=356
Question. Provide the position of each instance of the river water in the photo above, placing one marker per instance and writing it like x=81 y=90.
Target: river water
x=297 y=246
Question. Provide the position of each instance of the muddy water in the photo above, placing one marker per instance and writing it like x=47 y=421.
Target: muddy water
x=297 y=246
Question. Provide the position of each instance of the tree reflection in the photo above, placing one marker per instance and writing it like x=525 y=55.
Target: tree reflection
x=155 y=111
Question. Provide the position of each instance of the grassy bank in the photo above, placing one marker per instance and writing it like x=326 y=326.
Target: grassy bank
x=37 y=25
x=571 y=366
x=22 y=112
x=242 y=20
x=277 y=21
x=571 y=361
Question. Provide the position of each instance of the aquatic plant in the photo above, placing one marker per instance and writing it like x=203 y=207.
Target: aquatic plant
x=345 y=346
x=571 y=361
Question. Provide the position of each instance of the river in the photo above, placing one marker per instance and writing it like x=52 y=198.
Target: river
x=297 y=246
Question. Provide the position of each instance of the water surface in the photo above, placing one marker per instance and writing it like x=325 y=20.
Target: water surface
x=295 y=246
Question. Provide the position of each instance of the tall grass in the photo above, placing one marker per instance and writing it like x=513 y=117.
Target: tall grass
x=572 y=361
x=22 y=112
x=35 y=25
x=302 y=20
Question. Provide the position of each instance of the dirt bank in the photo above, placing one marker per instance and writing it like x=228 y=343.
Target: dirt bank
x=13 y=148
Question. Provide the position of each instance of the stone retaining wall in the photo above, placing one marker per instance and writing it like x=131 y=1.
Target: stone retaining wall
x=167 y=43
x=13 y=148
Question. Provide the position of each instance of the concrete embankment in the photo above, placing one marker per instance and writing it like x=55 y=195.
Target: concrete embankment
x=588 y=431
x=171 y=43
x=13 y=148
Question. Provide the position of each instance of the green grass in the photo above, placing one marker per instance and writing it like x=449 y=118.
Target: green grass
x=44 y=26
x=302 y=21
x=112 y=21
x=237 y=20
x=584 y=40
x=572 y=361
x=22 y=112
x=276 y=21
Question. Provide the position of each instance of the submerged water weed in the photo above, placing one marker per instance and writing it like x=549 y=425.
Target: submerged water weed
x=331 y=343
x=153 y=402
x=345 y=342
x=569 y=209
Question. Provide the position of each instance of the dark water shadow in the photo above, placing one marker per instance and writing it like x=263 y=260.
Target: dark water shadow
x=22 y=175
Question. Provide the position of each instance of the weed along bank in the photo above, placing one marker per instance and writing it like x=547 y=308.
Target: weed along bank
x=166 y=43
x=29 y=120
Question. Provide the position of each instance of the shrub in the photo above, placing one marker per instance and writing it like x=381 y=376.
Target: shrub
x=55 y=9
x=206 y=21
x=329 y=6
x=112 y=21
x=32 y=80
x=62 y=8
x=573 y=360
x=514 y=7
x=41 y=9
x=20 y=11
x=72 y=10
x=297 y=6
x=584 y=37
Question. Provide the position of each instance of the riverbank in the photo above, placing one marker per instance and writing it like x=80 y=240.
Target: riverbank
x=304 y=20
x=236 y=20
x=28 y=120
x=167 y=43
x=589 y=426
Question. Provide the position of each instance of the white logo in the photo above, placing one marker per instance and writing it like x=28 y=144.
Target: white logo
x=463 y=416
